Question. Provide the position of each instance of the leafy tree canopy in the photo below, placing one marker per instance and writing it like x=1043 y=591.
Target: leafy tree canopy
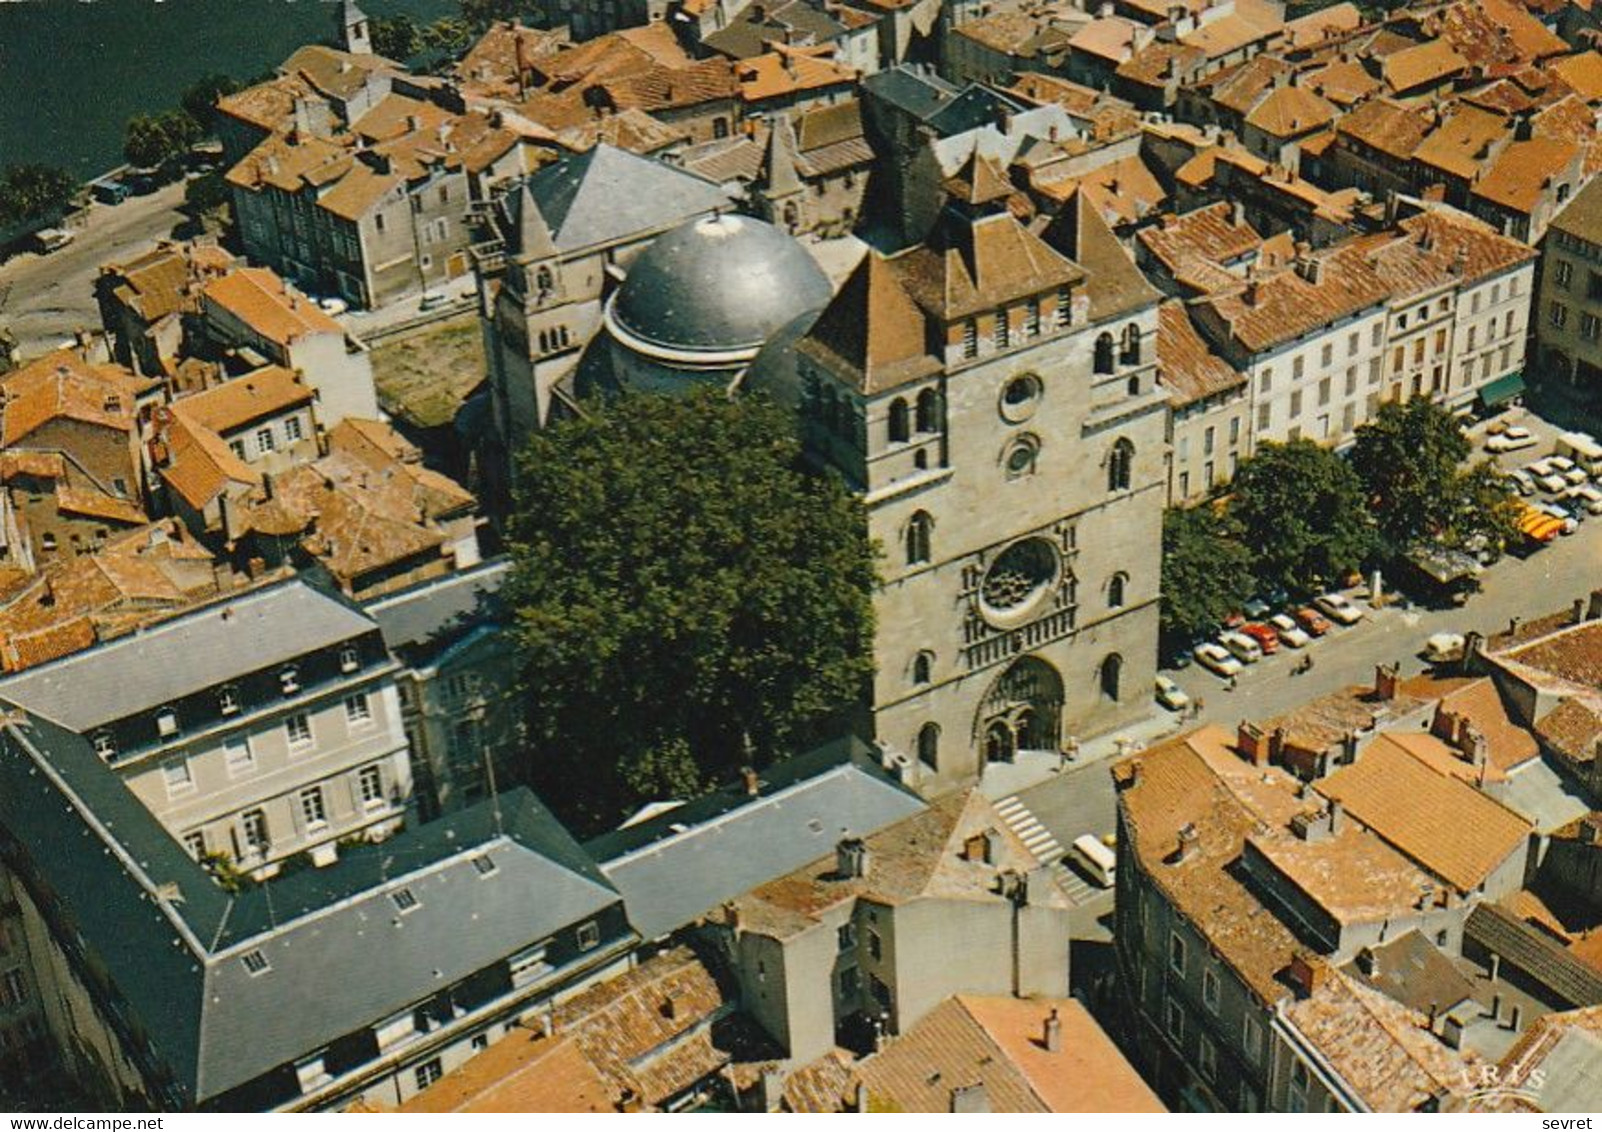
x=152 y=140
x=1207 y=571
x=200 y=100
x=396 y=37
x=1300 y=508
x=1407 y=458
x=30 y=191
x=479 y=14
x=687 y=599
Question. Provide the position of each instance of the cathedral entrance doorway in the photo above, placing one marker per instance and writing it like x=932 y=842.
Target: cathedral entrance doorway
x=1022 y=711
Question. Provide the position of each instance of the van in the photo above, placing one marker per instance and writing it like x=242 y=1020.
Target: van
x=1099 y=862
x=1582 y=449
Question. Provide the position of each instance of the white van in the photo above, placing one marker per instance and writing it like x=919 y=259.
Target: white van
x=1582 y=449
x=1100 y=862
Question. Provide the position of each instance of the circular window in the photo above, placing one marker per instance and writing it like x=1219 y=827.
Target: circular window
x=1018 y=581
x=1020 y=456
x=1020 y=396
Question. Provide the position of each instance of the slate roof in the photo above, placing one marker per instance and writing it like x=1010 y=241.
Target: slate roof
x=683 y=864
x=609 y=194
x=198 y=650
x=433 y=615
x=172 y=941
x=1535 y=953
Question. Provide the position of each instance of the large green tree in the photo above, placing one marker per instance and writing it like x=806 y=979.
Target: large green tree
x=1485 y=509
x=1301 y=509
x=396 y=37
x=687 y=598
x=153 y=140
x=31 y=191
x=200 y=99
x=1408 y=458
x=1207 y=571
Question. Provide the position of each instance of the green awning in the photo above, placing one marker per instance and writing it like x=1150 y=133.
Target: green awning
x=1502 y=390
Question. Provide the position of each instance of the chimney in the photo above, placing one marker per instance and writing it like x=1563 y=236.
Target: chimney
x=1430 y=1019
x=1476 y=748
x=1577 y=611
x=1452 y=1032
x=1337 y=816
x=1306 y=973
x=1593 y=609
x=1385 y=682
x=851 y=858
x=1276 y=744
x=1496 y=1007
x=1516 y=1019
x=749 y=779
x=970 y=1098
x=1189 y=841
x=1366 y=961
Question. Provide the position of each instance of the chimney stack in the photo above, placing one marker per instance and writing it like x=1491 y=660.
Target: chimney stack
x=851 y=858
x=1385 y=682
x=1593 y=609
x=1189 y=841
x=1053 y=1032
x=970 y=1098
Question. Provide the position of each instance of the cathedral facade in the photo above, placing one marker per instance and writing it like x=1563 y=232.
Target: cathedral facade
x=992 y=394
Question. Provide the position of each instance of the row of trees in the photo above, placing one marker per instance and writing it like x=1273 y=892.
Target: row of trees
x=31 y=192
x=688 y=600
x=400 y=37
x=1298 y=517
x=160 y=140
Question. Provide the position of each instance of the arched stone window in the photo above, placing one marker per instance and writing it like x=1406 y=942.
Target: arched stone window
x=544 y=281
x=922 y=667
x=920 y=532
x=900 y=426
x=929 y=745
x=1131 y=351
x=1120 y=465
x=1115 y=590
x=1104 y=353
x=1112 y=671
x=928 y=411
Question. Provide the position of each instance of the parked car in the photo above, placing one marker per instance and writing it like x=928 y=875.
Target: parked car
x=1266 y=638
x=1511 y=439
x=1312 y=620
x=109 y=190
x=1570 y=523
x=1587 y=496
x=1562 y=465
x=1216 y=658
x=333 y=305
x=1574 y=477
x=1096 y=859
x=1171 y=695
x=1444 y=648
x=1256 y=609
x=1338 y=607
x=1290 y=633
x=1551 y=482
x=47 y=240
x=1243 y=647
x=1522 y=481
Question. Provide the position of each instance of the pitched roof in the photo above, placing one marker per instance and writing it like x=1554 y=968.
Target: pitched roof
x=235 y=404
x=972 y=267
x=1523 y=171
x=1283 y=304
x=269 y=306
x=62 y=386
x=997 y=1042
x=523 y=1072
x=1430 y=62
x=1445 y=825
x=609 y=194
x=200 y=466
x=1186 y=365
x=872 y=330
x=1290 y=111
x=1381 y=124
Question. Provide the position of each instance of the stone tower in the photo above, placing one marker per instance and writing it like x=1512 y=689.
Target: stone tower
x=992 y=395
x=355 y=35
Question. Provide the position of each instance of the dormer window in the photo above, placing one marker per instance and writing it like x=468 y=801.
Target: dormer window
x=228 y=700
x=289 y=680
x=167 y=722
x=105 y=745
x=349 y=661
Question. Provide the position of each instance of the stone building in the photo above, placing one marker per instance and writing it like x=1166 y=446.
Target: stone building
x=992 y=395
x=1568 y=313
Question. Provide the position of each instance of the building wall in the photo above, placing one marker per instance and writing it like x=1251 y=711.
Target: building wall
x=1321 y=386
x=1210 y=439
x=342 y=374
x=1567 y=320
x=109 y=455
x=460 y=713
x=275 y=443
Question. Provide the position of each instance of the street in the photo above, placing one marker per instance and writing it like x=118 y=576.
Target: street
x=44 y=299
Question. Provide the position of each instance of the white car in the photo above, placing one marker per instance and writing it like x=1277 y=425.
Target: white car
x=1171 y=695
x=1574 y=477
x=1551 y=482
x=1562 y=465
x=1215 y=658
x=1511 y=439
x=1291 y=635
x=1570 y=523
x=1539 y=468
x=1337 y=607
x=1444 y=648
x=1521 y=481
x=1243 y=647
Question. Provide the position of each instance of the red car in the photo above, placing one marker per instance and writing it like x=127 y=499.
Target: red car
x=1266 y=638
x=1312 y=620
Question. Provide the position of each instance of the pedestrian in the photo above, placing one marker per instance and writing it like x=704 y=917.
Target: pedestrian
x=1231 y=684
x=1197 y=708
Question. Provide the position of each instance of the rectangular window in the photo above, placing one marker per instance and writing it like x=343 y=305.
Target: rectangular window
x=1032 y=318
x=1206 y=1057
x=298 y=728
x=166 y=722
x=1003 y=330
x=1589 y=326
x=1468 y=343
x=530 y=965
x=1351 y=381
x=1296 y=403
x=1234 y=430
x=589 y=936
x=1377 y=335
x=238 y=757
x=1210 y=989
x=292 y=429
x=237 y=447
x=1064 y=307
x=1440 y=341
x=1265 y=384
x=195 y=844
x=846 y=936
x=1563 y=274
x=264 y=440
x=1349 y=417
x=311 y=807
x=1207 y=441
x=1184 y=485
x=1593 y=285
x=228 y=701
x=1352 y=344
x=13 y=988
x=178 y=778
x=1374 y=372
x=970 y=338
x=1474 y=303
x=371 y=783
x=1251 y=1039
x=1174 y=1019
x=1297 y=368
x=1323 y=391
x=357 y=709
x=429 y=1072
x=1176 y=953
x=1265 y=416
x=1558 y=315
x=1507 y=325
x=1398 y=359
x=253 y=823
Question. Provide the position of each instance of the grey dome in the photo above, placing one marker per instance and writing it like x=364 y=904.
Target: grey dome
x=722 y=283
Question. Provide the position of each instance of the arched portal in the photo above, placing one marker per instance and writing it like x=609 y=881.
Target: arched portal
x=1022 y=711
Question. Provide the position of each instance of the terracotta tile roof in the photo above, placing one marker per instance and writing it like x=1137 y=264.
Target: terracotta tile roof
x=1378 y=1046
x=397 y=115
x=61 y=385
x=1209 y=233
x=1351 y=875
x=1523 y=171
x=1291 y=111
x=994 y=261
x=656 y=88
x=1343 y=82
x=1250 y=23
x=1187 y=367
x=998 y=1042
x=1160 y=61
x=1436 y=247
x=1107 y=37
x=1113 y=284
x=489 y=68
x=1122 y=191
x=1384 y=125
x=156 y=284
x=523 y=1072
x=269 y=306
x=1582 y=71
x=1241 y=87
x=1282 y=305
x=1492 y=32
x=1320 y=723
x=1197 y=780
x=872 y=330
x=1054 y=90
x=99 y=505
x=1443 y=758
x=338 y=74
x=1528 y=1056
x=1573 y=728
x=1464 y=142
x=1446 y=826
x=1413 y=67
x=919 y=856
x=1479 y=701
x=789 y=70
x=1315 y=27
x=201 y=466
x=226 y=408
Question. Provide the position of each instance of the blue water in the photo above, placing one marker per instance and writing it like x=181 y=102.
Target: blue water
x=72 y=72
